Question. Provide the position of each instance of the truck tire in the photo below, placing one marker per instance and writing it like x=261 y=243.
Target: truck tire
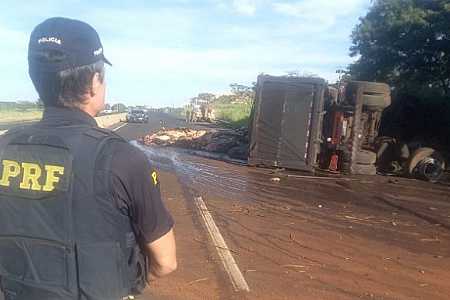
x=375 y=89
x=426 y=163
x=370 y=87
x=365 y=157
x=375 y=102
x=359 y=169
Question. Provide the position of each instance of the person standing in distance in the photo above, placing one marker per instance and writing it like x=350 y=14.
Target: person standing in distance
x=81 y=214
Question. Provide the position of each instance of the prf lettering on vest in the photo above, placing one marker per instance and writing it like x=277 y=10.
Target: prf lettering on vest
x=30 y=174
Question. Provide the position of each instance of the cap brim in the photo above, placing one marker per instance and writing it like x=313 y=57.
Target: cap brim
x=107 y=61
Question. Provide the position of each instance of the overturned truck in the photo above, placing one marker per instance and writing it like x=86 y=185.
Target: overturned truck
x=304 y=124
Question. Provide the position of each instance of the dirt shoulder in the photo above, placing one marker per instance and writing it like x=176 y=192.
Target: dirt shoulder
x=198 y=275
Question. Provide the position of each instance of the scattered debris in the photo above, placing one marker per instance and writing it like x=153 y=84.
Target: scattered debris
x=359 y=219
x=430 y=240
x=228 y=141
x=393 y=181
x=319 y=177
x=197 y=280
x=293 y=266
x=292 y=236
x=275 y=179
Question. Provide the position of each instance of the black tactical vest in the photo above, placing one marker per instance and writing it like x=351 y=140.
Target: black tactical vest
x=61 y=235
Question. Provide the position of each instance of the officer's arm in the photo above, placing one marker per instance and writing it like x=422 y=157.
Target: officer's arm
x=162 y=252
x=136 y=188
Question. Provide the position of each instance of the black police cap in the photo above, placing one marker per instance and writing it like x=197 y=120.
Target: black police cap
x=72 y=43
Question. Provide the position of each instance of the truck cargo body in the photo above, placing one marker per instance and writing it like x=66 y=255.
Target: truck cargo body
x=287 y=122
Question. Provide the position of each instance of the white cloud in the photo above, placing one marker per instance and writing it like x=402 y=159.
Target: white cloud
x=319 y=7
x=168 y=53
x=12 y=38
x=13 y=63
x=245 y=7
x=322 y=13
x=224 y=65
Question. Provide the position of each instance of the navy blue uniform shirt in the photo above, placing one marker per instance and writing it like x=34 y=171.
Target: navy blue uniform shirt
x=135 y=185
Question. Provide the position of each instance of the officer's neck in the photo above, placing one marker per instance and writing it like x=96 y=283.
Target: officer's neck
x=92 y=106
x=89 y=110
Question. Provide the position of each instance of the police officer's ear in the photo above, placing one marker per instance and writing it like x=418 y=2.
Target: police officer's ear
x=97 y=85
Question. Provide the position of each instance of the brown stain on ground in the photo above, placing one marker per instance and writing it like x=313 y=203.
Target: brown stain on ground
x=363 y=238
x=196 y=276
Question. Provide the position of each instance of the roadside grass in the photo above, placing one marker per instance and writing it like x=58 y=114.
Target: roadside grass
x=14 y=115
x=236 y=114
x=179 y=113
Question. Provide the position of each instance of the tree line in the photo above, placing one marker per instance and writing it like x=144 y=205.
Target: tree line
x=239 y=93
x=405 y=43
x=21 y=105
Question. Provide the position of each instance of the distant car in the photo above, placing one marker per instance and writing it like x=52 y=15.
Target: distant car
x=137 y=116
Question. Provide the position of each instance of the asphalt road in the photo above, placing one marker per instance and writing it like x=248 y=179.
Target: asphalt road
x=157 y=120
x=299 y=237
x=302 y=238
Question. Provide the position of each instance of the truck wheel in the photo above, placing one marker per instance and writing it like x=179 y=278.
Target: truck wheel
x=370 y=87
x=375 y=102
x=359 y=169
x=426 y=163
x=364 y=157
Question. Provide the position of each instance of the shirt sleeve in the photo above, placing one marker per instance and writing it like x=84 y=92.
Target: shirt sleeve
x=136 y=189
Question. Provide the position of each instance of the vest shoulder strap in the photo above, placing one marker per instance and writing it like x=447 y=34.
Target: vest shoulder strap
x=101 y=133
x=15 y=130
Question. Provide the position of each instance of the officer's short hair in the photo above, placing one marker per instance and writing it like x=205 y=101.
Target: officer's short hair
x=75 y=83
x=68 y=87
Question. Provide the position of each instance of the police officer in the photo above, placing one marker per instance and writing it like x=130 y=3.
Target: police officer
x=81 y=215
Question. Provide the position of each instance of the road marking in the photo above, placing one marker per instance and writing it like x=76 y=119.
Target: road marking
x=117 y=128
x=236 y=277
x=3 y=131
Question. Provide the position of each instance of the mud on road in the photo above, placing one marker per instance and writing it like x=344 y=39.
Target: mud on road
x=301 y=238
x=307 y=238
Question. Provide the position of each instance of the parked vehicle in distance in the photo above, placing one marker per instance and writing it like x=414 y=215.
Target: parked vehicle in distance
x=107 y=111
x=137 y=116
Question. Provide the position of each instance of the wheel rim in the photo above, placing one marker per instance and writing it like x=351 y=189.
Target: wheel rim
x=430 y=168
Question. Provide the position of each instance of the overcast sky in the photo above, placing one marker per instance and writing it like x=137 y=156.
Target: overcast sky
x=164 y=52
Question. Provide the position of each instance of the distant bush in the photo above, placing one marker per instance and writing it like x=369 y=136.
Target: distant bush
x=20 y=106
x=20 y=111
x=238 y=114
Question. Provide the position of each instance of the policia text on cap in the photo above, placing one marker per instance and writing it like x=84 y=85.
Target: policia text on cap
x=81 y=213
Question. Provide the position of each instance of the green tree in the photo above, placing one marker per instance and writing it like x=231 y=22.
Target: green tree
x=119 y=107
x=206 y=97
x=405 y=43
x=242 y=93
